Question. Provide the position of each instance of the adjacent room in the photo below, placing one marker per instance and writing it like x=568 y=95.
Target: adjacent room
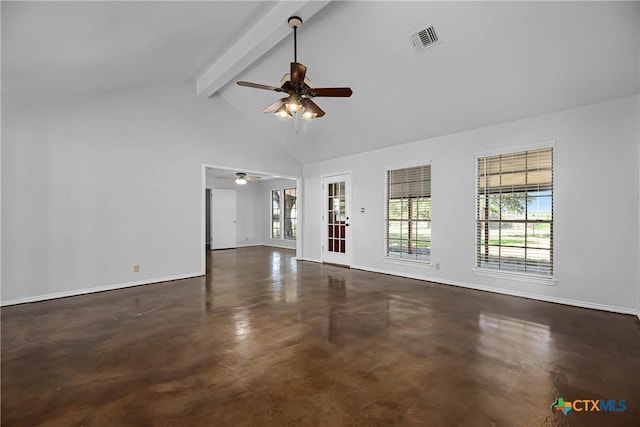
x=320 y=213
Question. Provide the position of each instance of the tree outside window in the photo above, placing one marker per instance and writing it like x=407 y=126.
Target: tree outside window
x=290 y=214
x=408 y=220
x=275 y=214
x=515 y=212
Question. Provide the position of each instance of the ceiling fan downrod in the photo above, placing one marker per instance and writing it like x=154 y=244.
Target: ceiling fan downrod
x=295 y=22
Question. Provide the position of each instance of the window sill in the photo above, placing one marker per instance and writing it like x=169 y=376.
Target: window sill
x=411 y=262
x=522 y=277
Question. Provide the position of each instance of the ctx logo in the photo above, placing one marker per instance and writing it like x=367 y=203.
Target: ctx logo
x=589 y=405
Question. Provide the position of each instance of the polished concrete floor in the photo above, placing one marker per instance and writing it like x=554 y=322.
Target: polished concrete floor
x=265 y=340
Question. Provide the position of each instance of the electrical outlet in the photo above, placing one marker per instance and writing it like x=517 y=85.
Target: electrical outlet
x=136 y=268
x=437 y=266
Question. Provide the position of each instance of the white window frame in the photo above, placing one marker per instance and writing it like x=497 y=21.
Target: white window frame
x=271 y=222
x=280 y=190
x=396 y=260
x=284 y=201
x=505 y=274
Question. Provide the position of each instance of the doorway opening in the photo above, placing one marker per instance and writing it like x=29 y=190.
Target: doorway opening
x=238 y=214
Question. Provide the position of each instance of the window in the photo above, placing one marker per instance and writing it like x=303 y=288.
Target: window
x=290 y=213
x=408 y=216
x=515 y=212
x=275 y=214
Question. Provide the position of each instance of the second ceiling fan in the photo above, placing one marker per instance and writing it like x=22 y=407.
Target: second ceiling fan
x=298 y=87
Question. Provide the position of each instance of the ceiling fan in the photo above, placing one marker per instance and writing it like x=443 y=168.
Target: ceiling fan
x=242 y=178
x=298 y=87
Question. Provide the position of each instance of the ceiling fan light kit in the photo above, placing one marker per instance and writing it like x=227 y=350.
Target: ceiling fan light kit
x=241 y=178
x=298 y=104
x=283 y=113
x=293 y=103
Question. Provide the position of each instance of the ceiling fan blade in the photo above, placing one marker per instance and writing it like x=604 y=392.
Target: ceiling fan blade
x=253 y=178
x=259 y=86
x=313 y=107
x=274 y=107
x=298 y=71
x=332 y=91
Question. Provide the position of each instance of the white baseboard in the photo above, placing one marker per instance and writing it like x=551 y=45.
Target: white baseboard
x=275 y=245
x=545 y=298
x=310 y=260
x=248 y=245
x=96 y=289
x=565 y=301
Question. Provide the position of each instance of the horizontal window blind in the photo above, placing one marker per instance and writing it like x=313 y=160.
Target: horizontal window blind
x=409 y=182
x=516 y=172
x=408 y=213
x=515 y=212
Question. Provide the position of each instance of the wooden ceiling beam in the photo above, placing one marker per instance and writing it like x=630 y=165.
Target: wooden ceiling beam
x=255 y=42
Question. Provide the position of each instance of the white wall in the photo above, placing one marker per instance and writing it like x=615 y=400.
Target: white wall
x=93 y=186
x=638 y=144
x=595 y=183
x=249 y=221
x=253 y=204
x=267 y=187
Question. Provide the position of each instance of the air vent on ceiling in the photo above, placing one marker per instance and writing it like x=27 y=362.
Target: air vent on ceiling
x=424 y=38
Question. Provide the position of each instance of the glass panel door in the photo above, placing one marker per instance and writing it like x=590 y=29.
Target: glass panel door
x=336 y=219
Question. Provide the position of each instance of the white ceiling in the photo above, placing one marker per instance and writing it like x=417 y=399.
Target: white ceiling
x=231 y=174
x=498 y=61
x=79 y=48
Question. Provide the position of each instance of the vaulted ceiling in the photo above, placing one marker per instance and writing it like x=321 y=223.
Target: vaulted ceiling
x=86 y=48
x=497 y=61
